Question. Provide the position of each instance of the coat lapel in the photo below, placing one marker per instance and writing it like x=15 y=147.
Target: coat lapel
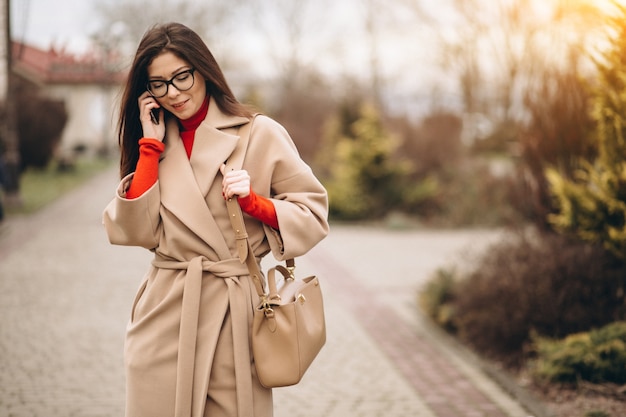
x=211 y=148
x=185 y=183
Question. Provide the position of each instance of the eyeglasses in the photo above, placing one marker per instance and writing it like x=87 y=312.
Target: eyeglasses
x=183 y=81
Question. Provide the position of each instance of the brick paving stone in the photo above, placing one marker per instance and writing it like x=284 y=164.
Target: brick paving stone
x=442 y=385
x=65 y=294
x=350 y=378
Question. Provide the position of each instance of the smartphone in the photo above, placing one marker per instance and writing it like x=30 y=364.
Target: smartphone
x=154 y=115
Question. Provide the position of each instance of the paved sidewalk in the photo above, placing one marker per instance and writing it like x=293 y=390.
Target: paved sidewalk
x=65 y=295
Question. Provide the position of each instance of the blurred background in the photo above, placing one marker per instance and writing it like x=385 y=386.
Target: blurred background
x=414 y=113
x=453 y=93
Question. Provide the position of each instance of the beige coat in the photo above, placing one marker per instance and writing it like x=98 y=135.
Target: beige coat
x=188 y=336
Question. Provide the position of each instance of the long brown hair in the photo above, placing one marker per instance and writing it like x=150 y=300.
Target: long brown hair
x=187 y=45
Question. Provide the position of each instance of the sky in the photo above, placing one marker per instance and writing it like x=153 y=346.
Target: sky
x=68 y=23
x=408 y=53
x=43 y=23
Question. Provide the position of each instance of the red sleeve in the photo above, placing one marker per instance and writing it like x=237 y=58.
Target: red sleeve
x=260 y=208
x=147 y=171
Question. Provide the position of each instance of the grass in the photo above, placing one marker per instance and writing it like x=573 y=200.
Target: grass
x=40 y=187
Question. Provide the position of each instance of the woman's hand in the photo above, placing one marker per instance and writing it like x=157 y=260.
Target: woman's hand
x=150 y=129
x=235 y=183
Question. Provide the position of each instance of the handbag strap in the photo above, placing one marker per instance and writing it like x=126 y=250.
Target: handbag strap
x=246 y=255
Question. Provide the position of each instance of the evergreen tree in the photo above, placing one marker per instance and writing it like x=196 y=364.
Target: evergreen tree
x=366 y=180
x=592 y=205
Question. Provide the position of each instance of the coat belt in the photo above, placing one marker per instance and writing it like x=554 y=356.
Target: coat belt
x=239 y=300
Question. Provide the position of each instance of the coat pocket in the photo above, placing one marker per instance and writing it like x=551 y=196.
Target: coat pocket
x=140 y=291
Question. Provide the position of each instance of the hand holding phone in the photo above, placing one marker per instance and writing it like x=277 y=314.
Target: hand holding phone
x=151 y=123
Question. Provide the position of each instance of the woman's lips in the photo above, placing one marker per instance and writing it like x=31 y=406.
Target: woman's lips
x=179 y=106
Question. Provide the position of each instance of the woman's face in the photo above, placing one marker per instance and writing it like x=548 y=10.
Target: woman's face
x=182 y=104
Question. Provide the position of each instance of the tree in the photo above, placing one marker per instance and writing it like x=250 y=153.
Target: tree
x=536 y=101
x=592 y=205
x=498 y=50
x=123 y=23
x=557 y=135
x=366 y=180
x=9 y=139
x=287 y=28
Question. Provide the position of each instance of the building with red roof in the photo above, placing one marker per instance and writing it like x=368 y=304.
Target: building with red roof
x=88 y=84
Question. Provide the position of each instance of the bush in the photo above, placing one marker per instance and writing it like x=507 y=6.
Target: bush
x=597 y=413
x=367 y=181
x=545 y=284
x=436 y=299
x=473 y=195
x=592 y=204
x=434 y=145
x=40 y=123
x=557 y=135
x=598 y=356
x=40 y=126
x=450 y=187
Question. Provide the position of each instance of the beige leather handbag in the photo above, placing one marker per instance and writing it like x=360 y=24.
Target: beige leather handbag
x=289 y=327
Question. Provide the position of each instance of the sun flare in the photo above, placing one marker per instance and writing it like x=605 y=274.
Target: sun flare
x=602 y=5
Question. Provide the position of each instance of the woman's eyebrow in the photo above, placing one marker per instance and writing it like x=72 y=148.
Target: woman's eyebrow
x=173 y=73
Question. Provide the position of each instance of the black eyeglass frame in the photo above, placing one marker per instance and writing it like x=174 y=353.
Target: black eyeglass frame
x=171 y=82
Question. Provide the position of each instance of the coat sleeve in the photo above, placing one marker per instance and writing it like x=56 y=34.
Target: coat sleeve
x=133 y=222
x=300 y=199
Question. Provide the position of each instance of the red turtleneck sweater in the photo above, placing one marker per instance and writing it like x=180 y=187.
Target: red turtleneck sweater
x=147 y=170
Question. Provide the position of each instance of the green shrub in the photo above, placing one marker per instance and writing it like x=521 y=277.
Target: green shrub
x=592 y=204
x=367 y=180
x=597 y=356
x=597 y=413
x=437 y=296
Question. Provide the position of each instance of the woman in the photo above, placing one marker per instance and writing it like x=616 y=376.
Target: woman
x=187 y=350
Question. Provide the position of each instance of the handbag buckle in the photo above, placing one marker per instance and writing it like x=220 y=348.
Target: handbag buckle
x=266 y=306
x=291 y=270
x=269 y=312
